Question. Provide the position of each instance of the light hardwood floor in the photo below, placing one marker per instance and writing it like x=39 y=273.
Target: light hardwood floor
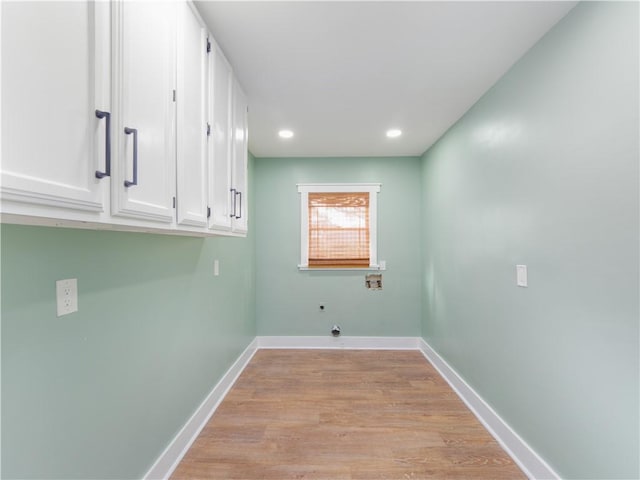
x=343 y=414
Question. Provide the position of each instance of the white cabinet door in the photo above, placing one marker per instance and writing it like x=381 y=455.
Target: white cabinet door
x=220 y=194
x=192 y=118
x=144 y=89
x=54 y=78
x=239 y=157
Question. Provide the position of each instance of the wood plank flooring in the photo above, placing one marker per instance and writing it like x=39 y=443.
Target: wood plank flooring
x=343 y=414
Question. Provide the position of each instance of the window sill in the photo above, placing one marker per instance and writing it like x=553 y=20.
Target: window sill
x=372 y=268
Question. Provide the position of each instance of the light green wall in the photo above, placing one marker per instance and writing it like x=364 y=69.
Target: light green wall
x=287 y=301
x=101 y=392
x=543 y=171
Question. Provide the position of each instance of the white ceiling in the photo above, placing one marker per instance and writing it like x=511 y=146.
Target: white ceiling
x=339 y=74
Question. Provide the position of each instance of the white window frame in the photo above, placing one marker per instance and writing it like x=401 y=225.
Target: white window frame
x=305 y=188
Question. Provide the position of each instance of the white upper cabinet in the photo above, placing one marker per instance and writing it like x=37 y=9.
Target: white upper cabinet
x=228 y=149
x=239 y=159
x=193 y=46
x=120 y=115
x=144 y=110
x=220 y=141
x=54 y=77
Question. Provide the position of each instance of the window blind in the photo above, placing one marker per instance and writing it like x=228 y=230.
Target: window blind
x=338 y=229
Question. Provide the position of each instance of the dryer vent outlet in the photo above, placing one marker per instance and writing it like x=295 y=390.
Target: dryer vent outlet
x=335 y=330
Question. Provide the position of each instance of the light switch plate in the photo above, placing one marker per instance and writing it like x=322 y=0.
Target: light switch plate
x=521 y=276
x=216 y=268
x=67 y=296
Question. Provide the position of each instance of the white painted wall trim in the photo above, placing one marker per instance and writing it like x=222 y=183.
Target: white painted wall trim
x=521 y=453
x=352 y=343
x=172 y=455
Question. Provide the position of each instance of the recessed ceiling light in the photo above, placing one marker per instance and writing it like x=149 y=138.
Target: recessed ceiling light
x=393 y=133
x=285 y=133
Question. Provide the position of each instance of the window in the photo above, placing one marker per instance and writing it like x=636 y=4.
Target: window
x=338 y=226
x=338 y=229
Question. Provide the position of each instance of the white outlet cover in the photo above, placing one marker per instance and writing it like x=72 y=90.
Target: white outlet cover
x=66 y=296
x=521 y=275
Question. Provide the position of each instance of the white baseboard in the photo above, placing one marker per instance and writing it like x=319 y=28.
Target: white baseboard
x=521 y=453
x=525 y=457
x=350 y=343
x=172 y=455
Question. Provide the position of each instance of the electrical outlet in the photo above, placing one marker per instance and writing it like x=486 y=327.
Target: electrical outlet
x=67 y=296
x=521 y=276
